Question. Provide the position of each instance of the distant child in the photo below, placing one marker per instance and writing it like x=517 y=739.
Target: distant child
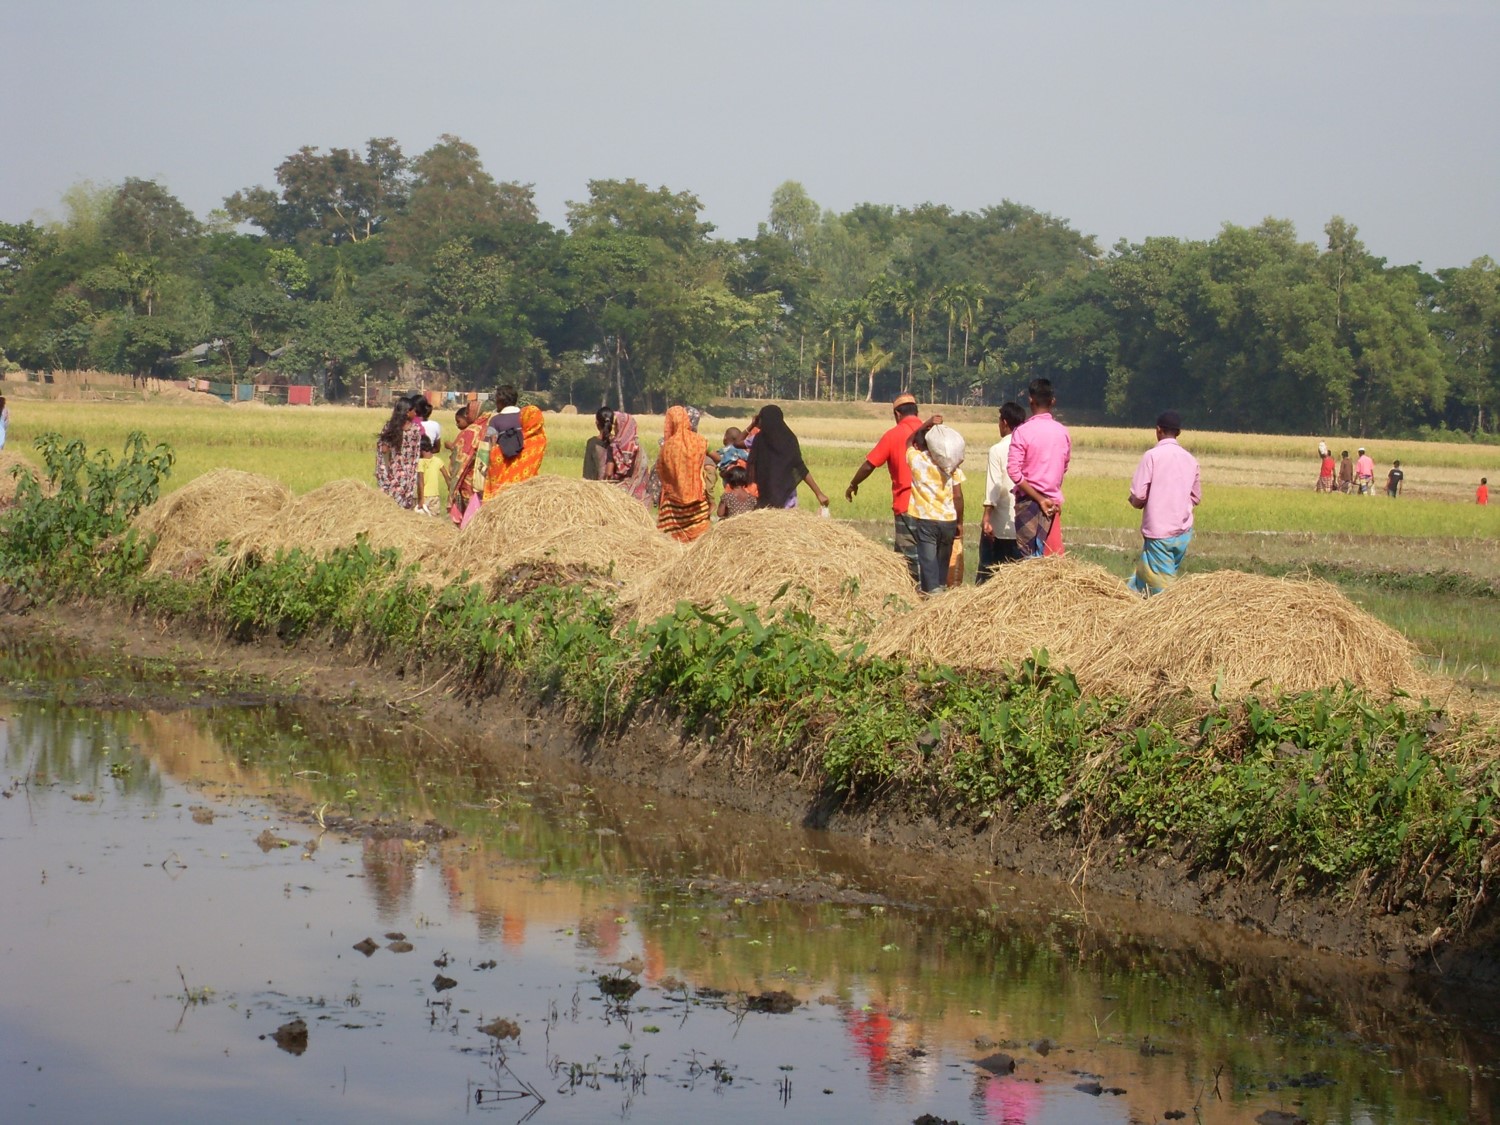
x=737 y=498
x=1482 y=493
x=732 y=452
x=430 y=479
x=1393 y=481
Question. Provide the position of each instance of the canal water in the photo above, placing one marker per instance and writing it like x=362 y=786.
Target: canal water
x=217 y=907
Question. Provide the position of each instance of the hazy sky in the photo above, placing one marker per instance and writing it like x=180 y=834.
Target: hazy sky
x=1126 y=119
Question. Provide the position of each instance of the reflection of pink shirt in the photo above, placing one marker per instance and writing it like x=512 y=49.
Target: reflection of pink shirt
x=1167 y=479
x=1039 y=453
x=1365 y=466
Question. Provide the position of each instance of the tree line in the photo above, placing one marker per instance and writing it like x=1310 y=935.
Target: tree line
x=373 y=261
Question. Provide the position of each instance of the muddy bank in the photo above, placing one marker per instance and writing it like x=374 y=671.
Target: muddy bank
x=1153 y=893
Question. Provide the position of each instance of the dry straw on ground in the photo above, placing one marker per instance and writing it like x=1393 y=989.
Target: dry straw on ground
x=579 y=526
x=1225 y=630
x=1238 y=630
x=334 y=516
x=1068 y=608
x=751 y=557
x=8 y=482
x=208 y=510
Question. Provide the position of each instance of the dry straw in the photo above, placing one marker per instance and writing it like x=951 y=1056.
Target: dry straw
x=1224 y=631
x=1069 y=608
x=1239 y=630
x=8 y=482
x=580 y=526
x=751 y=557
x=334 y=516
x=206 y=511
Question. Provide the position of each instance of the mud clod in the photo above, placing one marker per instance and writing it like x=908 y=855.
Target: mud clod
x=292 y=1037
x=1091 y=1088
x=777 y=1003
x=1278 y=1117
x=401 y=947
x=502 y=1029
x=618 y=989
x=998 y=1063
x=367 y=947
x=441 y=983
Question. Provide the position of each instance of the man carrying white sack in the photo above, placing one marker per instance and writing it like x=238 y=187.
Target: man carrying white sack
x=1166 y=488
x=933 y=454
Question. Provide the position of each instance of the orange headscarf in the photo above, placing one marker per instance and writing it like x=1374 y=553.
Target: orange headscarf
x=680 y=463
x=527 y=464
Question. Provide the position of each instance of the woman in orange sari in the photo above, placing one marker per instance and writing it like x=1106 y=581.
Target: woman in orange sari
x=506 y=471
x=684 y=509
x=468 y=474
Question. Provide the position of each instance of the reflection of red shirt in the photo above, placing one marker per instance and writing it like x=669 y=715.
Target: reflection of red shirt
x=1327 y=470
x=890 y=451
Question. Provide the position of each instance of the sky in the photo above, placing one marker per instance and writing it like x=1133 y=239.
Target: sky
x=1126 y=119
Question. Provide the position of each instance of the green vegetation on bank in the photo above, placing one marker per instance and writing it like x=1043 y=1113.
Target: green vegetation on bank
x=1321 y=791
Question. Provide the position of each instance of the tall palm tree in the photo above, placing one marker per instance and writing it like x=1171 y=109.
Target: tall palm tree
x=972 y=309
x=879 y=360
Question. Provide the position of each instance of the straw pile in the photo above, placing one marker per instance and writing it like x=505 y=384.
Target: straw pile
x=1239 y=632
x=750 y=557
x=1072 y=609
x=580 y=526
x=1236 y=629
x=334 y=516
x=208 y=510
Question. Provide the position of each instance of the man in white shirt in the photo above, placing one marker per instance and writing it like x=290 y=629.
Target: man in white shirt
x=997 y=529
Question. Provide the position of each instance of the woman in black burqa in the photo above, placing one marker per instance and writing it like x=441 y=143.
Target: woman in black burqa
x=776 y=465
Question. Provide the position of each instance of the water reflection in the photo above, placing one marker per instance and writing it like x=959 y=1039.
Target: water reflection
x=920 y=967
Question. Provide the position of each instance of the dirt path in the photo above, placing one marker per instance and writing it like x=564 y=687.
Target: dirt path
x=1150 y=894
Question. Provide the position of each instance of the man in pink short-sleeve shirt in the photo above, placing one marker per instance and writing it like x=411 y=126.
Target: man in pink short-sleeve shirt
x=1040 y=450
x=1166 y=488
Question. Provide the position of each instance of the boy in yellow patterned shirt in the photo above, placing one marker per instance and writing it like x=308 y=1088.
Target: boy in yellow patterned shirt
x=936 y=509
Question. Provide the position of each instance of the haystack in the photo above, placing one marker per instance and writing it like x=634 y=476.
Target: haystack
x=577 y=524
x=206 y=511
x=1069 y=608
x=1239 y=630
x=751 y=557
x=600 y=557
x=334 y=516
x=9 y=461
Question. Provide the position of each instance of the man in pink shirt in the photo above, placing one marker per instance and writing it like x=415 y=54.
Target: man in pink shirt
x=890 y=451
x=1039 y=453
x=1364 y=473
x=1166 y=488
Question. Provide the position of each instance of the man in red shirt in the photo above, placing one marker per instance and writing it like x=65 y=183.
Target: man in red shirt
x=890 y=451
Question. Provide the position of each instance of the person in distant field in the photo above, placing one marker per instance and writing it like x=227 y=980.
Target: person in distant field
x=737 y=498
x=684 y=509
x=4 y=420
x=504 y=470
x=997 y=526
x=1325 y=471
x=936 y=507
x=1040 y=449
x=1167 y=486
x=429 y=479
x=624 y=464
x=398 y=454
x=470 y=462
x=1346 y=473
x=1394 y=480
x=776 y=464
x=890 y=451
x=1364 y=473
x=1481 y=494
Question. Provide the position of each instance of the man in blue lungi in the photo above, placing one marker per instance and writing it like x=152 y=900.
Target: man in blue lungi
x=1166 y=488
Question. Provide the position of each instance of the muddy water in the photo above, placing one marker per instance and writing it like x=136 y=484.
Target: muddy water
x=257 y=913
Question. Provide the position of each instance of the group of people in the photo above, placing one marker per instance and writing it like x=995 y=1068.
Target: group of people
x=491 y=450
x=1023 y=497
x=762 y=466
x=1354 y=477
x=759 y=467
